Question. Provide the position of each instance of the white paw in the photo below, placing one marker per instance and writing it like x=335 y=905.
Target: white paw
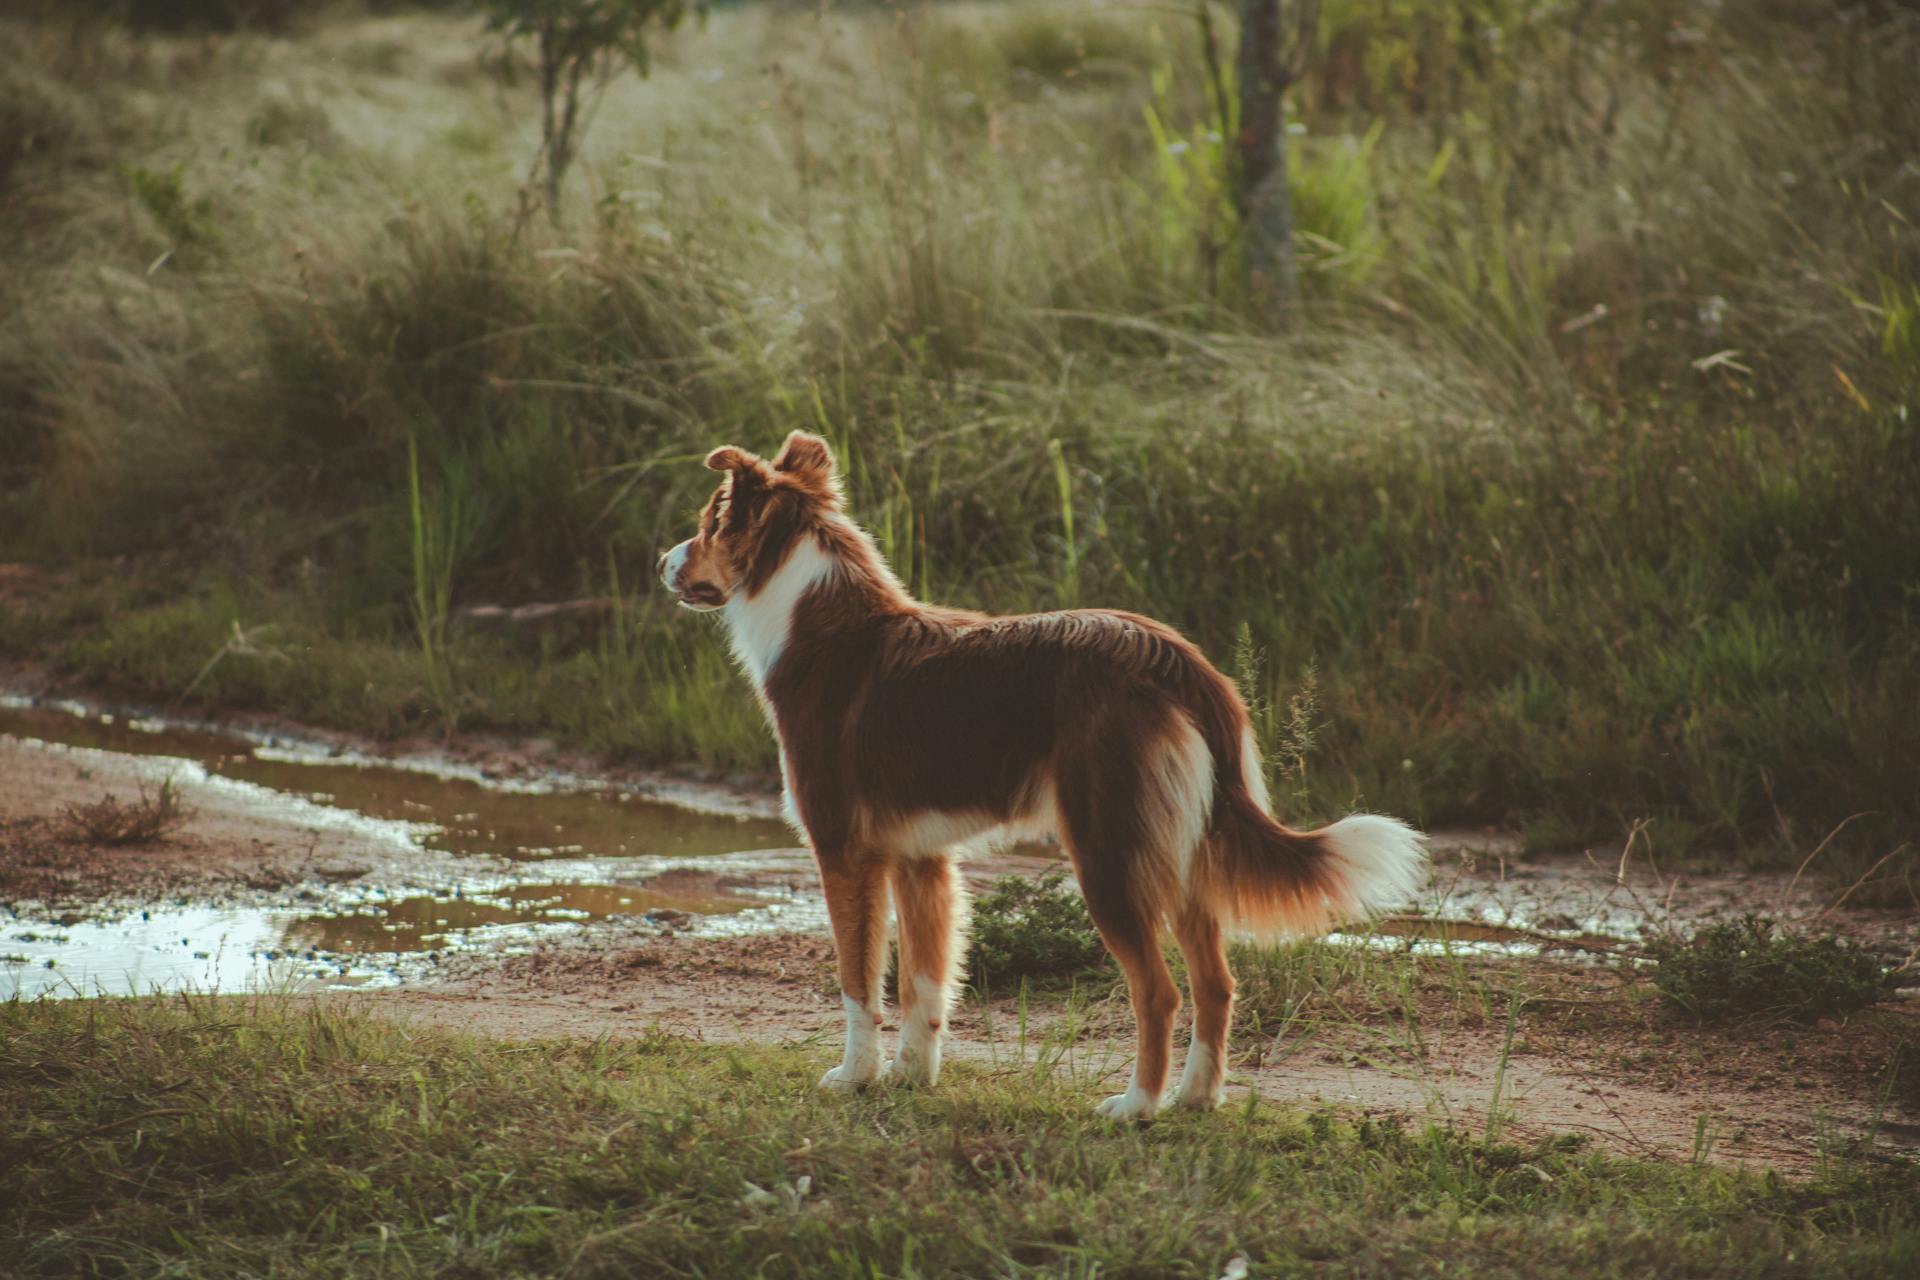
x=1196 y=1099
x=1200 y=1084
x=913 y=1069
x=1135 y=1106
x=845 y=1079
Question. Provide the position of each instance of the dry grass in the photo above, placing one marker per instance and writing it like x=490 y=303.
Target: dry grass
x=113 y=821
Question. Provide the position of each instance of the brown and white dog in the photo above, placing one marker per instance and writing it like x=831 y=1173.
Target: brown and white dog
x=910 y=732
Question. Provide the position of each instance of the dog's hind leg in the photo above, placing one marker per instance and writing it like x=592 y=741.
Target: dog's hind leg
x=856 y=890
x=1124 y=878
x=1212 y=983
x=1134 y=806
x=931 y=902
x=1134 y=941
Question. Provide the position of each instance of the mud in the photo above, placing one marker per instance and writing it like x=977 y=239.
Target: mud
x=301 y=864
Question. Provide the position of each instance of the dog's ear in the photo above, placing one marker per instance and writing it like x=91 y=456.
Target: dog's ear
x=805 y=455
x=729 y=458
x=746 y=471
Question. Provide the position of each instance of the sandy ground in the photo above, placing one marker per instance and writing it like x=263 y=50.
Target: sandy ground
x=1585 y=1057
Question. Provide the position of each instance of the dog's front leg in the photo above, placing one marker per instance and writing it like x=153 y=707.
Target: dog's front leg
x=856 y=889
x=930 y=902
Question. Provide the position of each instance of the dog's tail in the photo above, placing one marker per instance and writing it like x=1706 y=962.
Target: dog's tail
x=1268 y=878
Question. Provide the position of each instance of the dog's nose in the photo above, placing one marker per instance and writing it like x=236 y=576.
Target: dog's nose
x=660 y=565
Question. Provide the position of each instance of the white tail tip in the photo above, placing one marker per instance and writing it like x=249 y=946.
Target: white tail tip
x=1383 y=861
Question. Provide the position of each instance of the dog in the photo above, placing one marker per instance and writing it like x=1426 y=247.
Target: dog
x=910 y=733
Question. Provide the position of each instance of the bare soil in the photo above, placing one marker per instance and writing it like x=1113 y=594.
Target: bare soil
x=1589 y=1051
x=228 y=842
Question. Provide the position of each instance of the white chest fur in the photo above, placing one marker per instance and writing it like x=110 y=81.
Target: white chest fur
x=759 y=625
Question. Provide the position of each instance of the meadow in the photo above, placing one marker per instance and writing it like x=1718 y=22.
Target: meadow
x=1577 y=496
x=1577 y=492
x=288 y=1137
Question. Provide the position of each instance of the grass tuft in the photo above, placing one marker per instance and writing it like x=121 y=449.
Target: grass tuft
x=1751 y=969
x=112 y=821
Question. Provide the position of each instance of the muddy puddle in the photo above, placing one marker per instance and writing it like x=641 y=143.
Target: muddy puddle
x=366 y=871
x=335 y=867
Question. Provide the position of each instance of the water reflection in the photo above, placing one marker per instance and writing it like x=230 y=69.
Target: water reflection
x=426 y=922
x=467 y=816
x=463 y=861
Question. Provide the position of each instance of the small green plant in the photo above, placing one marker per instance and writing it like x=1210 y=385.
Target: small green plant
x=1334 y=197
x=1035 y=929
x=435 y=552
x=163 y=194
x=1190 y=207
x=1749 y=969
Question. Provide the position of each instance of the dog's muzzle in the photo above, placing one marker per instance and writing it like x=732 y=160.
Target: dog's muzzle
x=701 y=596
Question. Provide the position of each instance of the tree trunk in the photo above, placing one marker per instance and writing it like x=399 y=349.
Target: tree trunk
x=1266 y=206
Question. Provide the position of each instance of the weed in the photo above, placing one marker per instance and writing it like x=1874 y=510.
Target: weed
x=1032 y=929
x=1752 y=969
x=112 y=821
x=435 y=546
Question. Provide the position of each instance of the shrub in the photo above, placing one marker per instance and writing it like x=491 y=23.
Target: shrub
x=1035 y=929
x=1749 y=969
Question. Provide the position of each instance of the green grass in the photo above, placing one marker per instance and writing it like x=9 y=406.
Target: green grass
x=1582 y=486
x=280 y=1137
x=1750 y=969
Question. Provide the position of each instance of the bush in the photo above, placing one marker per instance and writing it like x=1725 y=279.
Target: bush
x=1033 y=929
x=1749 y=969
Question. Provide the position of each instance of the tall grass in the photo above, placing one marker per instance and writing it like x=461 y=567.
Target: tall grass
x=1583 y=486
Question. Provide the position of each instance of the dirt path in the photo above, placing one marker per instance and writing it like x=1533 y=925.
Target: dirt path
x=1623 y=1074
x=1590 y=1054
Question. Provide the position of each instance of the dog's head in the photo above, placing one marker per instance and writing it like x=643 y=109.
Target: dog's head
x=752 y=520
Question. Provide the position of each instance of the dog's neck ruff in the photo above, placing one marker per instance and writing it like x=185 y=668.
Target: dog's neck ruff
x=834 y=555
x=759 y=625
